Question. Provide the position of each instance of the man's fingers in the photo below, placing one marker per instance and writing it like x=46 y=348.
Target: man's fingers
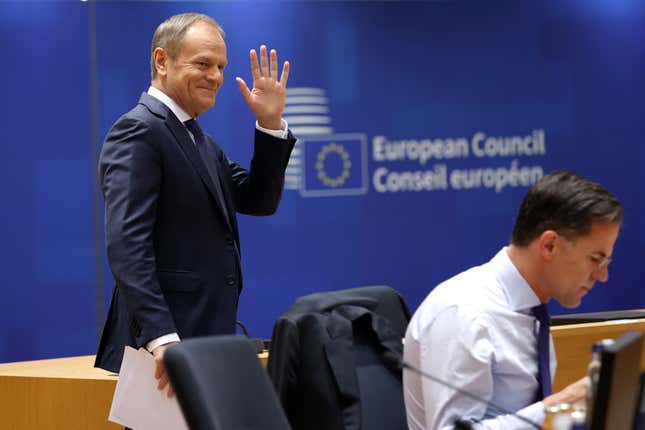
x=255 y=67
x=244 y=89
x=163 y=381
x=285 y=74
x=273 y=65
x=160 y=369
x=264 y=61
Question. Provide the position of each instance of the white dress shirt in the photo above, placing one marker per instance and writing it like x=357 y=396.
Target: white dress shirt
x=476 y=332
x=182 y=116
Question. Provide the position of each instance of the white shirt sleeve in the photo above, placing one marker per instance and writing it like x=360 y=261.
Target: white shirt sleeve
x=281 y=134
x=534 y=412
x=162 y=340
x=457 y=347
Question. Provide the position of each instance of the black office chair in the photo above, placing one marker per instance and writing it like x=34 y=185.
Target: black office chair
x=326 y=360
x=221 y=385
x=639 y=416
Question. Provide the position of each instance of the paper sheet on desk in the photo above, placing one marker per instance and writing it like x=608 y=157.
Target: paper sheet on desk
x=137 y=402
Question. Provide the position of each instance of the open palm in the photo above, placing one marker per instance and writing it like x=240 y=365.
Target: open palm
x=267 y=98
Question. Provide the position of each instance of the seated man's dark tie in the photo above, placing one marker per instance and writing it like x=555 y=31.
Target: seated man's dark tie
x=544 y=370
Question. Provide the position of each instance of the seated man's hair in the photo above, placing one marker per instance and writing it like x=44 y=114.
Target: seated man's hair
x=566 y=203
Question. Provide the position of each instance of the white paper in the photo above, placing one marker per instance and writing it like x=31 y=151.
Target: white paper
x=137 y=402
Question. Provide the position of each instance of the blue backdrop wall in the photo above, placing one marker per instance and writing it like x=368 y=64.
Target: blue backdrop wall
x=422 y=125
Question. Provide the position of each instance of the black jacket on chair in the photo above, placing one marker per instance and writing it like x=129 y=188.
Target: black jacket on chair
x=325 y=360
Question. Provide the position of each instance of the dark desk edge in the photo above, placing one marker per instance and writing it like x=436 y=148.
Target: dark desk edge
x=596 y=317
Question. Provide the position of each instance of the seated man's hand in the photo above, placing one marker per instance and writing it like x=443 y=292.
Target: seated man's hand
x=574 y=393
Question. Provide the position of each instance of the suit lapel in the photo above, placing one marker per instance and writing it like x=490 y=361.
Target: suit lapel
x=340 y=356
x=230 y=204
x=386 y=335
x=220 y=180
x=214 y=186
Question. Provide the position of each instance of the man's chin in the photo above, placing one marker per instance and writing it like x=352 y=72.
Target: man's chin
x=571 y=303
x=206 y=105
x=209 y=103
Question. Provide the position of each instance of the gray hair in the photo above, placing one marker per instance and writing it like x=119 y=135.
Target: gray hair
x=170 y=33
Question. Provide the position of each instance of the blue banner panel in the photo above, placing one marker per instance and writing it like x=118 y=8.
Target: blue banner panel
x=421 y=126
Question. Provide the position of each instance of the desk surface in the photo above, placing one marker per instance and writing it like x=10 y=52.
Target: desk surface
x=573 y=346
x=61 y=393
x=68 y=368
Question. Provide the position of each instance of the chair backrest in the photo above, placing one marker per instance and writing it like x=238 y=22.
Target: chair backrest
x=325 y=360
x=221 y=385
x=639 y=418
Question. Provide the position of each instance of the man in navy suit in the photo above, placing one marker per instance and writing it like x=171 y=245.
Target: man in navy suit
x=171 y=194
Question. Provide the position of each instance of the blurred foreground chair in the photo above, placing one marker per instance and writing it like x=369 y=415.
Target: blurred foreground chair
x=221 y=385
x=325 y=360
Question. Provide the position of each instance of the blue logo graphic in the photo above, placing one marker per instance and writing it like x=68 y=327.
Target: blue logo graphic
x=334 y=165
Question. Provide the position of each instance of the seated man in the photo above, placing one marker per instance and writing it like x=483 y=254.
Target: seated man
x=480 y=330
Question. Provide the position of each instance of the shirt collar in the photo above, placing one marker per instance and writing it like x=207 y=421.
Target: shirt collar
x=518 y=292
x=170 y=103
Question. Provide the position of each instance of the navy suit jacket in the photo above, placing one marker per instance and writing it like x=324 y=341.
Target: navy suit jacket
x=172 y=249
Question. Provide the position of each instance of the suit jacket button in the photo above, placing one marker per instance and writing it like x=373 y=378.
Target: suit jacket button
x=230 y=280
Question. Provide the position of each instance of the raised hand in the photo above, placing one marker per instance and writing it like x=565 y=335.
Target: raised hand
x=267 y=98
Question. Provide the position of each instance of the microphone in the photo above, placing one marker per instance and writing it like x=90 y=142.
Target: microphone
x=258 y=344
x=396 y=362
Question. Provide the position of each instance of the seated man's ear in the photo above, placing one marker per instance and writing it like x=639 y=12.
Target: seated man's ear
x=549 y=243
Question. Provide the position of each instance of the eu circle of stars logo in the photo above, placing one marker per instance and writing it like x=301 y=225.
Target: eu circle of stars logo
x=333 y=165
x=331 y=150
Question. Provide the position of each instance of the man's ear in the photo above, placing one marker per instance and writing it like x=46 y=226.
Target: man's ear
x=548 y=244
x=160 y=60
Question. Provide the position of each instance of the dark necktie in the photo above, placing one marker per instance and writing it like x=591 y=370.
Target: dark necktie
x=544 y=370
x=200 y=143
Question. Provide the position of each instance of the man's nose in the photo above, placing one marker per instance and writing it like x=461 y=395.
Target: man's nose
x=601 y=274
x=215 y=74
